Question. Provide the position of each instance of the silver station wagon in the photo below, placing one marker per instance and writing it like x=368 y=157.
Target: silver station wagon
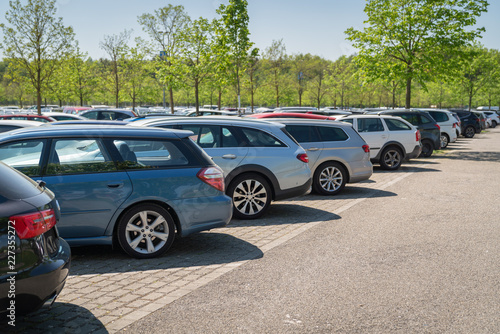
x=260 y=160
x=337 y=153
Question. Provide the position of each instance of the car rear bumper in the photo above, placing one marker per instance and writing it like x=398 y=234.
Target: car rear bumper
x=415 y=153
x=42 y=283
x=293 y=192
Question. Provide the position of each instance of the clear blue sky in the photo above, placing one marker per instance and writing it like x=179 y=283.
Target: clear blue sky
x=306 y=26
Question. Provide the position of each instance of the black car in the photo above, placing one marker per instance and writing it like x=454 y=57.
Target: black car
x=34 y=260
x=470 y=124
x=429 y=129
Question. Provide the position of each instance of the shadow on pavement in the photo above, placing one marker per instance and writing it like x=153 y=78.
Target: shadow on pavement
x=201 y=249
x=475 y=156
x=77 y=320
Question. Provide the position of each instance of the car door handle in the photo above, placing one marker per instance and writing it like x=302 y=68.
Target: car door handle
x=313 y=149
x=115 y=185
x=229 y=156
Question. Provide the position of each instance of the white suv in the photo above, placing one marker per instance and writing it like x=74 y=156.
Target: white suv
x=448 y=125
x=391 y=139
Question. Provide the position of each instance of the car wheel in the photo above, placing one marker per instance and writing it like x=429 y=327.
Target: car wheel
x=493 y=124
x=146 y=231
x=470 y=132
x=251 y=196
x=391 y=158
x=444 y=140
x=329 y=179
x=427 y=149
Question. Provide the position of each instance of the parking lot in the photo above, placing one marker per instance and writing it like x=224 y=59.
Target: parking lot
x=108 y=291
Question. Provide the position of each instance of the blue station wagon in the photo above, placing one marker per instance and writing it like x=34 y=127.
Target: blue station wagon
x=134 y=186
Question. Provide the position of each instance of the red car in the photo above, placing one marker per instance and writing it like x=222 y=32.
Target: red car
x=290 y=115
x=28 y=117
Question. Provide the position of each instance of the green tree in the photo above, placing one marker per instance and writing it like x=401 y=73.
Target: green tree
x=164 y=27
x=197 y=56
x=236 y=38
x=116 y=47
x=82 y=76
x=36 y=40
x=418 y=34
x=134 y=74
x=276 y=60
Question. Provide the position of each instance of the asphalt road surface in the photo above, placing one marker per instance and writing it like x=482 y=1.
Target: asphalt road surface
x=421 y=256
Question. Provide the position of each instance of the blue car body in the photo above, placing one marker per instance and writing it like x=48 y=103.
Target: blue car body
x=94 y=201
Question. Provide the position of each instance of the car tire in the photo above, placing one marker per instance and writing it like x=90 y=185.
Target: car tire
x=427 y=149
x=156 y=226
x=469 y=132
x=493 y=124
x=391 y=158
x=444 y=140
x=251 y=195
x=329 y=178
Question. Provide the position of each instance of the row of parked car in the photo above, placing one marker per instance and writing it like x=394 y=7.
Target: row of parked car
x=137 y=184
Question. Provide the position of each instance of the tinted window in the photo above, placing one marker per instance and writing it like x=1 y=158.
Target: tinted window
x=396 y=125
x=329 y=133
x=5 y=128
x=151 y=153
x=77 y=156
x=439 y=116
x=91 y=115
x=425 y=120
x=303 y=133
x=370 y=125
x=23 y=155
x=349 y=120
x=411 y=118
x=229 y=137
x=258 y=138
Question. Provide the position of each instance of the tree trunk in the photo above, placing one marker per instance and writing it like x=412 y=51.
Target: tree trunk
x=196 y=98
x=408 y=94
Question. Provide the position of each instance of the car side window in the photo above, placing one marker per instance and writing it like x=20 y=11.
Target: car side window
x=23 y=155
x=5 y=128
x=204 y=136
x=396 y=125
x=348 y=120
x=258 y=138
x=439 y=116
x=229 y=137
x=330 y=133
x=425 y=120
x=303 y=133
x=413 y=119
x=370 y=125
x=91 y=115
x=78 y=156
x=150 y=153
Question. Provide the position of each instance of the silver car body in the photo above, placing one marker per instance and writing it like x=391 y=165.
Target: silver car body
x=279 y=165
x=349 y=152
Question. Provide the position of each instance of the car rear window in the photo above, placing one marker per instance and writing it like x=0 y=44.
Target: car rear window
x=258 y=138
x=439 y=116
x=330 y=133
x=15 y=185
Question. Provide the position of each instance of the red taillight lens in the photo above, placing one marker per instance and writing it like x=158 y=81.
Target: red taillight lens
x=438 y=127
x=303 y=157
x=454 y=125
x=33 y=224
x=212 y=176
x=417 y=135
x=366 y=148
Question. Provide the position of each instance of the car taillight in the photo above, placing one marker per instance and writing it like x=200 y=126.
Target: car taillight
x=417 y=135
x=437 y=125
x=454 y=125
x=31 y=225
x=366 y=148
x=303 y=157
x=212 y=176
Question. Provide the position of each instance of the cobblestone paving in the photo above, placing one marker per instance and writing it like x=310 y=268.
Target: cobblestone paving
x=107 y=290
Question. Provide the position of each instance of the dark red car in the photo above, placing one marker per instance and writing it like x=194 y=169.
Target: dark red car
x=28 y=117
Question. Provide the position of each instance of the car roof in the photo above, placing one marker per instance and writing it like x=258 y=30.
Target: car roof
x=21 y=122
x=228 y=120
x=50 y=131
x=307 y=121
